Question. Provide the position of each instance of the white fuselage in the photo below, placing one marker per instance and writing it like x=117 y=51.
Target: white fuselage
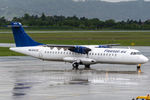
x=96 y=55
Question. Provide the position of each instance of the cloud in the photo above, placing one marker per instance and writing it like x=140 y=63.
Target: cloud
x=108 y=0
x=117 y=0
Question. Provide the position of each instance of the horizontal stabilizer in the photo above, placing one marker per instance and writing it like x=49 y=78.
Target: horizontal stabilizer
x=14 y=25
x=7 y=45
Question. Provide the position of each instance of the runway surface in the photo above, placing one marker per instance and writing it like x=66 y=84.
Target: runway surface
x=27 y=78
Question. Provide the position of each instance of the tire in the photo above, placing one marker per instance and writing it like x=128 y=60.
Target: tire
x=75 y=66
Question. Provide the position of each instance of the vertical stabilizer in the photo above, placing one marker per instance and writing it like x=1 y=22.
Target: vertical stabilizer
x=22 y=39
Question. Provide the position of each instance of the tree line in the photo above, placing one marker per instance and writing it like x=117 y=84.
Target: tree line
x=74 y=22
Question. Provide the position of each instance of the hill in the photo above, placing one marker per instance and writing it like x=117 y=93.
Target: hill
x=90 y=8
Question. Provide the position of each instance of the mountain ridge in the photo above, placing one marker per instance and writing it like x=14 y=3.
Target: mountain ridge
x=91 y=9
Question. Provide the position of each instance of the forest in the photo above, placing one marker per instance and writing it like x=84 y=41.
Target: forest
x=76 y=23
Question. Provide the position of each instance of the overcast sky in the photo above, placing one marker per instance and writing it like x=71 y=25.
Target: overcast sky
x=112 y=0
x=121 y=0
x=117 y=0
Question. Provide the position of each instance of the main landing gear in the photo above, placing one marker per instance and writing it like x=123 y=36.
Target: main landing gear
x=87 y=67
x=139 y=68
x=76 y=66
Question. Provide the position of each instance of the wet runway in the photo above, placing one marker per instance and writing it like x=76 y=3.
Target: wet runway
x=27 y=78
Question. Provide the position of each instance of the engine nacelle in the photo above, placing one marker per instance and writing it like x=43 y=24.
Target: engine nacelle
x=80 y=49
x=82 y=61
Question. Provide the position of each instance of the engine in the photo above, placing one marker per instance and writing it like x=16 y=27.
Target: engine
x=80 y=49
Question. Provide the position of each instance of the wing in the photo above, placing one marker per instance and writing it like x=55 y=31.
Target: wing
x=73 y=48
x=82 y=49
x=107 y=45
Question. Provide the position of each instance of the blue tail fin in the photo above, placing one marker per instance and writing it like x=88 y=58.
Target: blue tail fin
x=21 y=37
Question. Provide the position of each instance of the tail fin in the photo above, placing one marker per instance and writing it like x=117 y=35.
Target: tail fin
x=22 y=39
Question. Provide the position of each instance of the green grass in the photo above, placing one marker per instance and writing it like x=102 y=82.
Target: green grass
x=125 y=39
x=82 y=38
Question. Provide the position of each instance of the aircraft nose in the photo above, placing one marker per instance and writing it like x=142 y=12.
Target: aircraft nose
x=145 y=59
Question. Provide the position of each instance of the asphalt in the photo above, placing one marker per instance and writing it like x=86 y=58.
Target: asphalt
x=27 y=78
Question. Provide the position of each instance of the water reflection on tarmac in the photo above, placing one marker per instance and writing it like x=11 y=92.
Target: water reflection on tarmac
x=27 y=78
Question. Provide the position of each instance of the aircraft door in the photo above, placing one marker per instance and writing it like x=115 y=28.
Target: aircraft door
x=40 y=53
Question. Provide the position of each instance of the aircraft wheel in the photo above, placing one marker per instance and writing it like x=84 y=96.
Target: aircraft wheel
x=75 y=66
x=139 y=68
x=87 y=67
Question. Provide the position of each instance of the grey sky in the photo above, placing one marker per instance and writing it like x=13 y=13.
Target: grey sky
x=111 y=0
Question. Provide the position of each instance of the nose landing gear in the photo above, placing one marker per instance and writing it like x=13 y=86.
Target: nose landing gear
x=139 y=68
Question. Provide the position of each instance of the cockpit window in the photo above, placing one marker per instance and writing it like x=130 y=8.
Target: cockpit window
x=135 y=53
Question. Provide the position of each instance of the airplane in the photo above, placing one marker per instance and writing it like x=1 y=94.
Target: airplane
x=76 y=54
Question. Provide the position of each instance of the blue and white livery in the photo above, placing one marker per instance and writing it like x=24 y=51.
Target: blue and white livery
x=75 y=54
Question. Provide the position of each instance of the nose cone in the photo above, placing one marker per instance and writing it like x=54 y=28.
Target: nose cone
x=144 y=59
